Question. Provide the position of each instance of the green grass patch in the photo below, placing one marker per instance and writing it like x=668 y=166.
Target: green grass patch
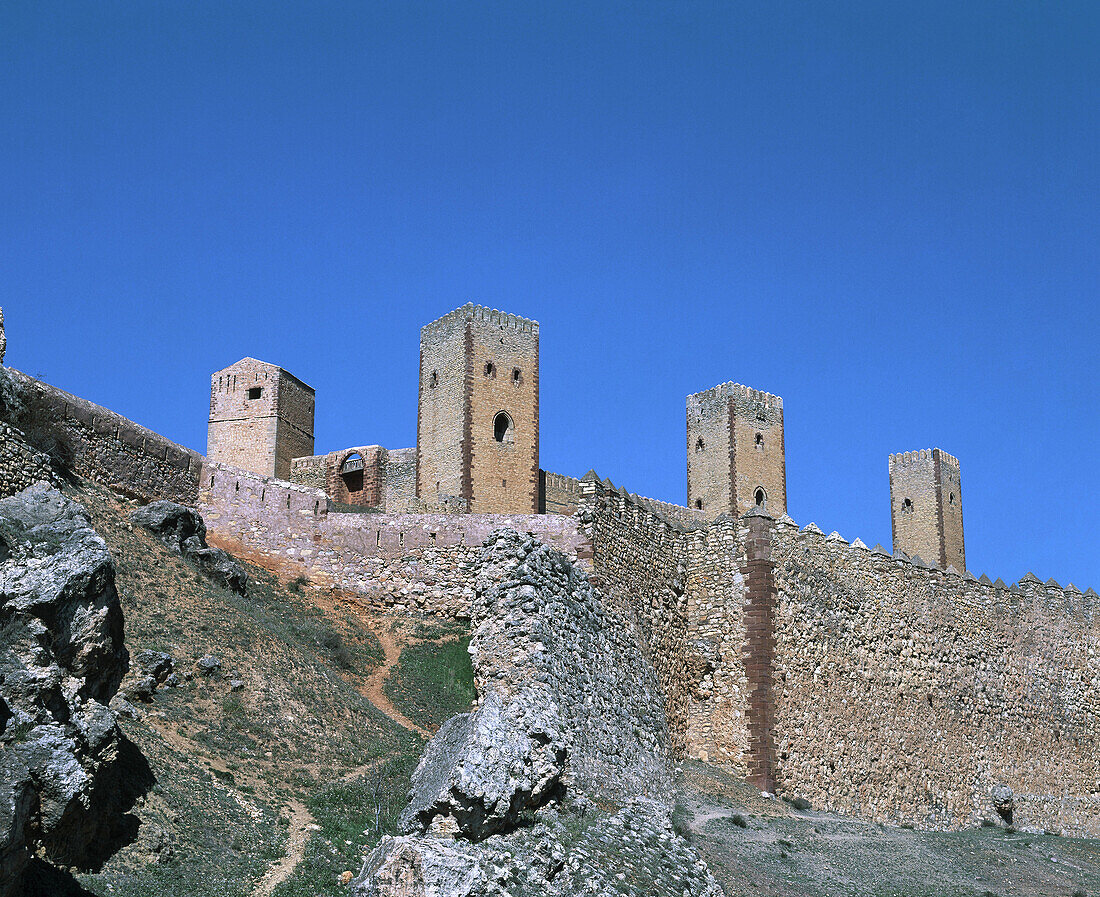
x=353 y=816
x=431 y=683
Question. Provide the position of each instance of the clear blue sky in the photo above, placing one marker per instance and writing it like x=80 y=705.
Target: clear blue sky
x=887 y=213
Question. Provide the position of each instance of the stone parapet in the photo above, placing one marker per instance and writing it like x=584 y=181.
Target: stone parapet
x=93 y=442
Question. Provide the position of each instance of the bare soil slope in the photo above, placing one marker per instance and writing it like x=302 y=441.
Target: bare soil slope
x=757 y=846
x=277 y=773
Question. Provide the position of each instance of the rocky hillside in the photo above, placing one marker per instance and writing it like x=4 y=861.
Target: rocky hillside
x=277 y=758
x=267 y=736
x=68 y=777
x=559 y=783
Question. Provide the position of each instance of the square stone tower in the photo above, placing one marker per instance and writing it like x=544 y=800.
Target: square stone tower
x=477 y=425
x=926 y=507
x=736 y=459
x=261 y=418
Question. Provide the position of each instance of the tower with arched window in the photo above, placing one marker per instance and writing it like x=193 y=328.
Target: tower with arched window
x=926 y=507
x=477 y=431
x=736 y=459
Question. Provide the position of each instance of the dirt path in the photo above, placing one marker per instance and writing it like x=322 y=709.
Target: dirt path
x=300 y=818
x=372 y=690
x=297 y=836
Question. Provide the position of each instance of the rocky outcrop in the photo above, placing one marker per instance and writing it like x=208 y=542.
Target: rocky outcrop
x=569 y=719
x=182 y=529
x=64 y=769
x=3 y=338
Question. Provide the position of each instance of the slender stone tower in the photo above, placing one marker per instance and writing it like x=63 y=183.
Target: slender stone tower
x=926 y=507
x=736 y=458
x=261 y=418
x=3 y=338
x=477 y=425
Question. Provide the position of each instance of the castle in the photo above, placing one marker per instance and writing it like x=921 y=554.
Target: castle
x=897 y=686
x=477 y=445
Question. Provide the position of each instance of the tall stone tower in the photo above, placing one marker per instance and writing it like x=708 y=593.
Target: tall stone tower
x=477 y=425
x=261 y=417
x=736 y=459
x=926 y=507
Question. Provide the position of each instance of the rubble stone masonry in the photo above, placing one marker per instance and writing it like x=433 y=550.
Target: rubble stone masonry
x=90 y=441
x=905 y=694
x=401 y=561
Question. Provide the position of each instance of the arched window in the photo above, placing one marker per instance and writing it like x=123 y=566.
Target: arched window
x=517 y=376
x=433 y=380
x=760 y=441
x=761 y=498
x=699 y=503
x=503 y=431
x=951 y=499
x=351 y=472
x=352 y=463
x=699 y=444
x=907 y=506
x=490 y=369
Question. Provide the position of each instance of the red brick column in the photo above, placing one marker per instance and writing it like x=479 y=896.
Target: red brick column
x=759 y=650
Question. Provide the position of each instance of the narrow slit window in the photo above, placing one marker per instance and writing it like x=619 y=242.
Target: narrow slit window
x=490 y=369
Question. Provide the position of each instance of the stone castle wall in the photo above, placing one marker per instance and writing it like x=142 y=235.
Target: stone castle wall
x=400 y=486
x=561 y=494
x=905 y=694
x=92 y=442
x=870 y=685
x=402 y=561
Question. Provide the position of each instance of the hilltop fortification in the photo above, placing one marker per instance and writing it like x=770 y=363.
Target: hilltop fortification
x=898 y=687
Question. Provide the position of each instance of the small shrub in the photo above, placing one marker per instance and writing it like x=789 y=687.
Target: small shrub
x=681 y=822
x=233 y=708
x=739 y=820
x=296 y=584
x=333 y=643
x=1080 y=892
x=801 y=804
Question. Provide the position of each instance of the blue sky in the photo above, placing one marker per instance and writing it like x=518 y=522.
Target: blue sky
x=888 y=214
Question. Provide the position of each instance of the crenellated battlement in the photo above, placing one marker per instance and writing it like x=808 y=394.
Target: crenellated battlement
x=745 y=394
x=482 y=315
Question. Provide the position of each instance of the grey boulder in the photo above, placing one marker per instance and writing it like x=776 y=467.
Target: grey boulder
x=183 y=530
x=66 y=773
